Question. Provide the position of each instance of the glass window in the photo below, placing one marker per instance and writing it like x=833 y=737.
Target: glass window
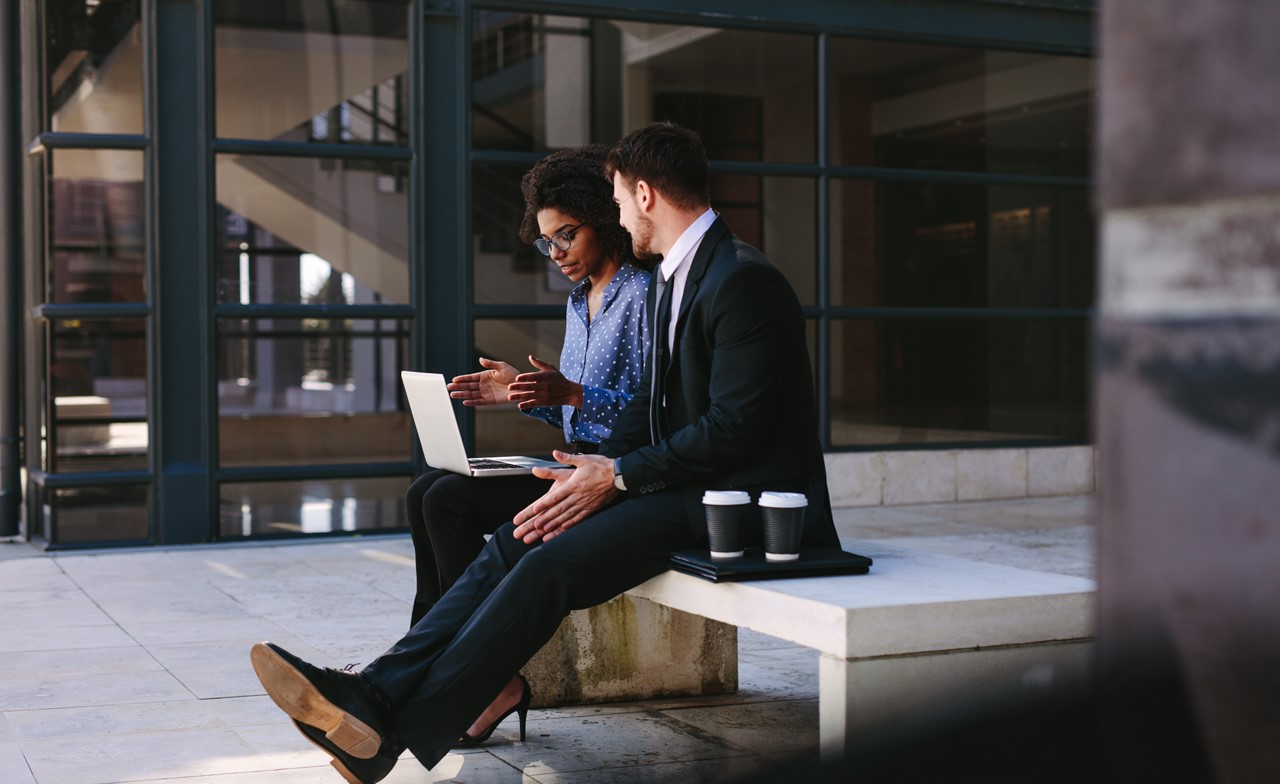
x=312 y=506
x=93 y=63
x=933 y=245
x=97 y=227
x=97 y=376
x=307 y=230
x=546 y=82
x=92 y=515
x=505 y=431
x=311 y=391
x=941 y=107
x=925 y=382
x=312 y=70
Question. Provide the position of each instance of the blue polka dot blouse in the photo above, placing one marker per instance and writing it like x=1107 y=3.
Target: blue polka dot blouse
x=606 y=356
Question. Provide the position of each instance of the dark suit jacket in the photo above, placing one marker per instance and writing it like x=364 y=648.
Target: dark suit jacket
x=740 y=410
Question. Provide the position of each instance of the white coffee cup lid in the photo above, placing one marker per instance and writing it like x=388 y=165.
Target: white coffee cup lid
x=726 y=497
x=783 y=500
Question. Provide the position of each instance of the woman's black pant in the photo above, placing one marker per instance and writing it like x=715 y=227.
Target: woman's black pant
x=449 y=516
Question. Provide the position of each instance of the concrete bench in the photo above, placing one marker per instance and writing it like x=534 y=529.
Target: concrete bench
x=917 y=630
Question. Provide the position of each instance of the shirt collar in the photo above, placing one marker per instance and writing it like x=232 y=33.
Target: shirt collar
x=683 y=248
x=624 y=273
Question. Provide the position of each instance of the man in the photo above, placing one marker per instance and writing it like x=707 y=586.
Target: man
x=726 y=402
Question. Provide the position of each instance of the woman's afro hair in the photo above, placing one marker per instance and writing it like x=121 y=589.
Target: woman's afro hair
x=573 y=182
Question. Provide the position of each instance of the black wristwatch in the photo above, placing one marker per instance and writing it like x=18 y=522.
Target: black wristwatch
x=617 y=475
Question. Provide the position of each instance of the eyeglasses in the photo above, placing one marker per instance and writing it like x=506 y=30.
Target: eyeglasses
x=562 y=240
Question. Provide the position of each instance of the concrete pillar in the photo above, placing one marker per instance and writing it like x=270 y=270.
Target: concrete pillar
x=1188 y=360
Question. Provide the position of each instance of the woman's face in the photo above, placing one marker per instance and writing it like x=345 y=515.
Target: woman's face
x=584 y=256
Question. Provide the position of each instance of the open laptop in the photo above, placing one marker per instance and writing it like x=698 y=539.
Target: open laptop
x=442 y=441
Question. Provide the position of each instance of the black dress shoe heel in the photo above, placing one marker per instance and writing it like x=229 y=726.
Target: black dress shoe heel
x=521 y=708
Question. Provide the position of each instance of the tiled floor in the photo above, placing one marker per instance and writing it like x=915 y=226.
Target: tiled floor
x=133 y=666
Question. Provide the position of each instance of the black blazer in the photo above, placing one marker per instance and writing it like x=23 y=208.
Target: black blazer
x=740 y=410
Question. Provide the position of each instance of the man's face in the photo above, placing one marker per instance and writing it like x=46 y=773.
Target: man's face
x=637 y=224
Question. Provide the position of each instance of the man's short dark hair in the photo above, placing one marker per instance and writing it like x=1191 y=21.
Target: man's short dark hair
x=668 y=157
x=570 y=181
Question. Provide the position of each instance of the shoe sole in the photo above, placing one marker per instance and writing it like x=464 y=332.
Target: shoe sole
x=295 y=695
x=337 y=765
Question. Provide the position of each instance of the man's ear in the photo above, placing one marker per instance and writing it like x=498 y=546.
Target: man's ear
x=645 y=195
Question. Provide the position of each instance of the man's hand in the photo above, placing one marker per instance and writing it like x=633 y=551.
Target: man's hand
x=486 y=388
x=544 y=387
x=575 y=495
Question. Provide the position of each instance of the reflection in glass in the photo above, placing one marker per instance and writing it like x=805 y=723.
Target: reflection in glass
x=933 y=245
x=942 y=107
x=311 y=391
x=926 y=382
x=97 y=375
x=312 y=71
x=304 y=230
x=93 y=62
x=775 y=214
x=97 y=227
x=503 y=430
x=85 y=515
x=546 y=82
x=311 y=506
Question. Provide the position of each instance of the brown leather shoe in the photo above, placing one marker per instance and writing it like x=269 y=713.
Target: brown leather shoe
x=337 y=703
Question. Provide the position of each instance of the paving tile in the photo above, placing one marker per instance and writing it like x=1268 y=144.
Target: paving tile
x=35 y=574
x=206 y=630
x=298 y=598
x=45 y=609
x=95 y=661
x=223 y=669
x=320 y=776
x=140 y=756
x=757 y=681
x=562 y=745
x=282 y=744
x=41 y=692
x=109 y=566
x=13 y=765
x=479 y=768
x=63 y=639
x=750 y=640
x=236 y=712
x=695 y=772
x=156 y=600
x=113 y=720
x=6 y=734
x=358 y=639
x=763 y=727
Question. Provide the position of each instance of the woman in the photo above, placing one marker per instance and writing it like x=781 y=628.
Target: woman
x=570 y=216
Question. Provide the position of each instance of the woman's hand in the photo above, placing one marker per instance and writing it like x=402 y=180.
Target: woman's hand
x=544 y=387
x=487 y=388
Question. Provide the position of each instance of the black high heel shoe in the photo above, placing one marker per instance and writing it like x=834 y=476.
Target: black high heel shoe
x=521 y=707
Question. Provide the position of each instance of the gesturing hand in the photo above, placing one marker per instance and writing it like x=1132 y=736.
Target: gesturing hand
x=544 y=387
x=575 y=495
x=485 y=388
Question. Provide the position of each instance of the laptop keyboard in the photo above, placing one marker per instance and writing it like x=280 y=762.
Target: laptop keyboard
x=481 y=462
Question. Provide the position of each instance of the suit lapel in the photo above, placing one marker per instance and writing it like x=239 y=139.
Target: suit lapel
x=717 y=233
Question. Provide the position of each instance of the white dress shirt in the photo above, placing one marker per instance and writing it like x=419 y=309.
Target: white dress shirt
x=675 y=267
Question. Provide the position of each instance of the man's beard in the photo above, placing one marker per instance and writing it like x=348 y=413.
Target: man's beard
x=642 y=239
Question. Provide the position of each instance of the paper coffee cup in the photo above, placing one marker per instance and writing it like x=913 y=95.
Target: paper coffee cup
x=783 y=515
x=726 y=512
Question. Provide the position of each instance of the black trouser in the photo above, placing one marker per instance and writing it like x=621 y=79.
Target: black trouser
x=507 y=604
x=449 y=515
